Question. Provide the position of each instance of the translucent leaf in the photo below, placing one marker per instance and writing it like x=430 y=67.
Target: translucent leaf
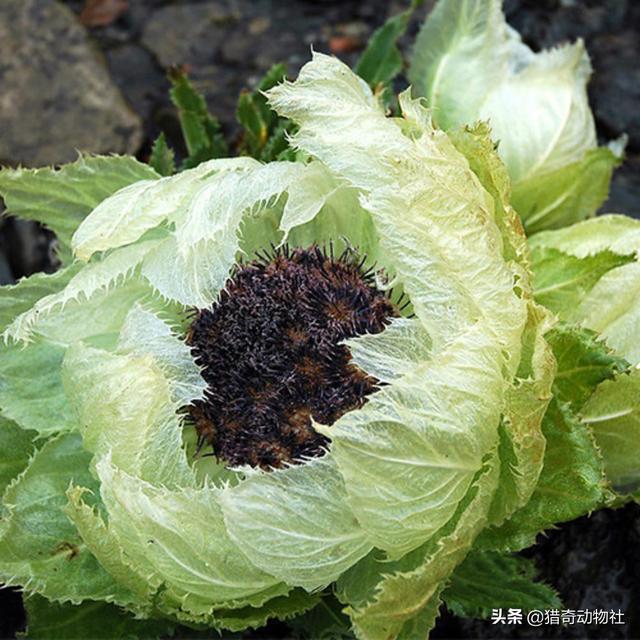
x=402 y=599
x=98 y=620
x=143 y=333
x=295 y=524
x=129 y=213
x=97 y=277
x=611 y=304
x=568 y=194
x=179 y=538
x=470 y=65
x=40 y=549
x=402 y=441
x=613 y=413
x=617 y=233
x=489 y=580
x=192 y=265
x=612 y=308
x=394 y=352
x=62 y=198
x=108 y=549
x=135 y=418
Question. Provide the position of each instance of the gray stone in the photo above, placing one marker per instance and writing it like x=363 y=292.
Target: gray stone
x=615 y=86
x=56 y=96
x=190 y=34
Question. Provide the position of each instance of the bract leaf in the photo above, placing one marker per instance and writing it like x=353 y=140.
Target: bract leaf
x=62 y=198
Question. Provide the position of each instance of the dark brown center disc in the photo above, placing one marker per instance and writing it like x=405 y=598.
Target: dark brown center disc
x=271 y=354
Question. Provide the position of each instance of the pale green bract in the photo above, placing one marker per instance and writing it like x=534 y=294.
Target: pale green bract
x=470 y=65
x=412 y=477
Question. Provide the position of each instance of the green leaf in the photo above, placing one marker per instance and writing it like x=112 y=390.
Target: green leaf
x=324 y=622
x=613 y=413
x=52 y=621
x=16 y=447
x=202 y=131
x=18 y=298
x=568 y=194
x=584 y=361
x=381 y=61
x=31 y=391
x=264 y=135
x=280 y=608
x=40 y=549
x=611 y=305
x=572 y=482
x=562 y=281
x=489 y=580
x=162 y=158
x=61 y=198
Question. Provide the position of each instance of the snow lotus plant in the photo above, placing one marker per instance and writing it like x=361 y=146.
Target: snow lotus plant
x=506 y=395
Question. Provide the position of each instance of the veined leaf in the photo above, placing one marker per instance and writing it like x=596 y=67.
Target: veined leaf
x=99 y=620
x=572 y=482
x=40 y=549
x=471 y=65
x=16 y=447
x=613 y=413
x=562 y=281
x=488 y=580
x=61 y=198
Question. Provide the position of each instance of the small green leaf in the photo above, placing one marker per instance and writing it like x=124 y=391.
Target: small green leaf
x=52 y=621
x=202 y=131
x=381 y=61
x=561 y=281
x=61 y=198
x=162 y=157
x=488 y=579
x=324 y=622
x=569 y=194
x=584 y=361
x=265 y=133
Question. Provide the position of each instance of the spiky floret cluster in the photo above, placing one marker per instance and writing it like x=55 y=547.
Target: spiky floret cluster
x=271 y=354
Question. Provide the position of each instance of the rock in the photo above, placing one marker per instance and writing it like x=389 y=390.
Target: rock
x=57 y=96
x=142 y=82
x=615 y=86
x=624 y=195
x=187 y=34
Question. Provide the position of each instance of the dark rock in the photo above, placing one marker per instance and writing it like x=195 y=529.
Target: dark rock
x=188 y=34
x=615 y=86
x=624 y=195
x=57 y=96
x=142 y=82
